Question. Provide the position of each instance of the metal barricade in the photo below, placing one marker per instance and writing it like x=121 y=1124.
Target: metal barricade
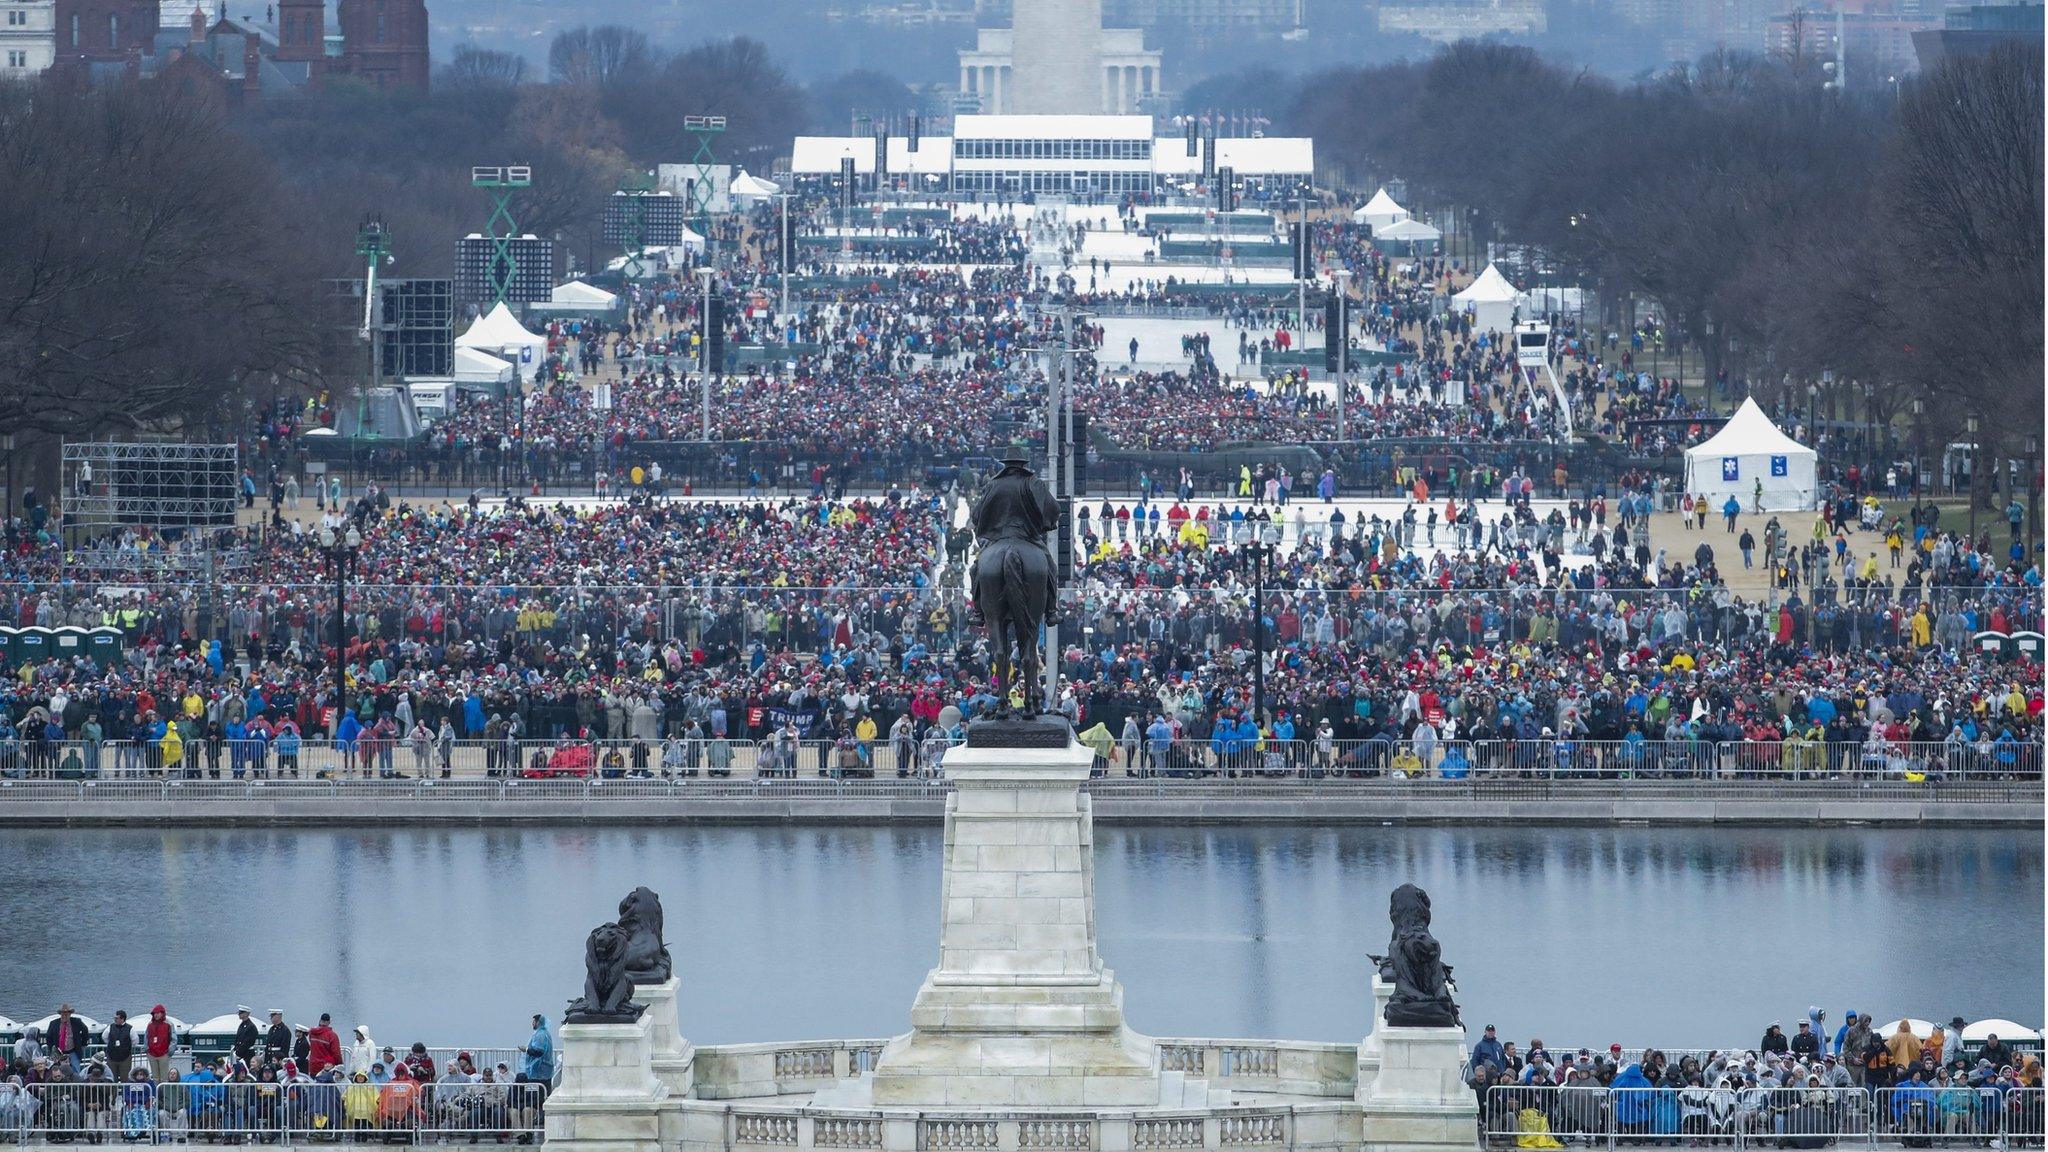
x=72 y=1112
x=1926 y=1115
x=189 y=1111
x=1794 y=1117
x=2023 y=1117
x=480 y=1110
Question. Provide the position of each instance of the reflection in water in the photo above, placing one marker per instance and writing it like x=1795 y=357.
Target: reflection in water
x=1581 y=936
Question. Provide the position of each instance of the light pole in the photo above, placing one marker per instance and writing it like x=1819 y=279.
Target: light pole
x=1301 y=278
x=707 y=272
x=341 y=552
x=2033 y=447
x=1976 y=472
x=784 y=252
x=1919 y=448
x=1869 y=428
x=1343 y=338
x=1260 y=553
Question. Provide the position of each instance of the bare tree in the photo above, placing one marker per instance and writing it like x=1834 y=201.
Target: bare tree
x=149 y=272
x=600 y=57
x=472 y=67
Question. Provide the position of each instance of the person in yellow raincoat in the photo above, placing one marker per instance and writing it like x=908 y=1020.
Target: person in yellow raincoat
x=172 y=746
x=1532 y=1129
x=359 y=1102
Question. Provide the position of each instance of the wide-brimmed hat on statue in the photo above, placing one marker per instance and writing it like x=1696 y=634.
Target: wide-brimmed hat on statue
x=1015 y=454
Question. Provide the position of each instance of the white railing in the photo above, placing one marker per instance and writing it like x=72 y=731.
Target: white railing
x=285 y=1113
x=1540 y=1116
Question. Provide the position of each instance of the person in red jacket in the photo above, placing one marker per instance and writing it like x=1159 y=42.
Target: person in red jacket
x=323 y=1047
x=156 y=1044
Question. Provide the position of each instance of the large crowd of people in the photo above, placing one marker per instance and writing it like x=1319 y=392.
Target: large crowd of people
x=1807 y=1088
x=131 y=1081
x=1489 y=606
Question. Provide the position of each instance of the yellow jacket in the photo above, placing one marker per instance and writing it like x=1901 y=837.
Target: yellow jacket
x=359 y=1102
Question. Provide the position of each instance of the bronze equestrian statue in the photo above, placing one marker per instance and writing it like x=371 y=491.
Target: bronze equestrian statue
x=1016 y=584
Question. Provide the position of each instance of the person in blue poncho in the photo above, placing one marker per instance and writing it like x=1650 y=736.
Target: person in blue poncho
x=537 y=1059
x=1912 y=1107
x=1641 y=1107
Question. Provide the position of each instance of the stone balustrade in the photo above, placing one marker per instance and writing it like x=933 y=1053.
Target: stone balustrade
x=744 y=1071
x=1295 y=1068
x=1322 y=1126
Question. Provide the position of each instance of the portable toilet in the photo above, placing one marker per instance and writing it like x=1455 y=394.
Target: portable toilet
x=214 y=1038
x=2015 y=1036
x=2029 y=645
x=68 y=641
x=1991 y=644
x=11 y=1030
x=30 y=645
x=103 y=644
x=93 y=1028
x=7 y=634
x=139 y=1020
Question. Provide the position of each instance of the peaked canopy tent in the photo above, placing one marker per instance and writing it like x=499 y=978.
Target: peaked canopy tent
x=475 y=366
x=501 y=334
x=1491 y=301
x=1749 y=450
x=749 y=188
x=1407 y=237
x=577 y=294
x=1379 y=212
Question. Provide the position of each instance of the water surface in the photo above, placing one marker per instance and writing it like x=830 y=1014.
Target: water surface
x=1675 y=937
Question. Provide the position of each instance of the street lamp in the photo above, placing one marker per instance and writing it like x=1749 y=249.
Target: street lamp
x=1343 y=338
x=341 y=552
x=2033 y=457
x=1812 y=414
x=1976 y=471
x=1261 y=554
x=1919 y=449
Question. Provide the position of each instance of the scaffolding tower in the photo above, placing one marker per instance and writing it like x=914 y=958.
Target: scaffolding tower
x=147 y=484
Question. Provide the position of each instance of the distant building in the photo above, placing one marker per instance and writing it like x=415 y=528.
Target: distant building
x=1191 y=15
x=116 y=32
x=1446 y=20
x=1108 y=155
x=383 y=43
x=1874 y=37
x=28 y=37
x=1974 y=29
x=1059 y=59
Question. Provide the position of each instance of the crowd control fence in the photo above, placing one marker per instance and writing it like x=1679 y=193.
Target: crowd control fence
x=186 y=1112
x=118 y=769
x=1525 y=1116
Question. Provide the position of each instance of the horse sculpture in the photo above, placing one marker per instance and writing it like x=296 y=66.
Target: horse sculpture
x=1015 y=585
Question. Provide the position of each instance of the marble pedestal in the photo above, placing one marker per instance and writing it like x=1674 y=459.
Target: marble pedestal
x=1418 y=1100
x=1369 y=1048
x=671 y=1056
x=609 y=1099
x=1020 y=1010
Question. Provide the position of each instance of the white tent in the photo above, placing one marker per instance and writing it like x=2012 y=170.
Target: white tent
x=2003 y=1029
x=1491 y=301
x=746 y=187
x=1408 y=231
x=475 y=366
x=1379 y=212
x=1749 y=450
x=581 y=297
x=501 y=334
